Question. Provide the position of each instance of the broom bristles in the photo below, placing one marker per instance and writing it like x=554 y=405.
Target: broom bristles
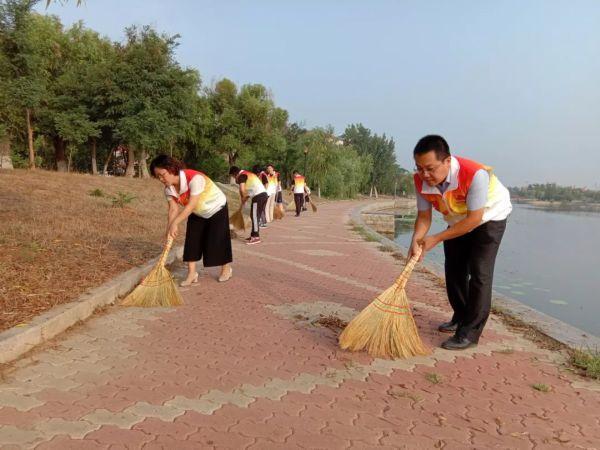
x=313 y=206
x=386 y=327
x=158 y=288
x=237 y=220
x=278 y=213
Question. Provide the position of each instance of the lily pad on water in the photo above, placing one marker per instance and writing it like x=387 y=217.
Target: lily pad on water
x=541 y=289
x=559 y=302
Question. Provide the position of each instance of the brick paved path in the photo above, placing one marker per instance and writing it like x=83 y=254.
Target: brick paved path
x=245 y=365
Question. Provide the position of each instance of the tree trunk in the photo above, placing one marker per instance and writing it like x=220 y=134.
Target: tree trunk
x=143 y=166
x=94 y=162
x=59 y=154
x=105 y=169
x=375 y=188
x=5 y=161
x=130 y=171
x=231 y=157
x=30 y=139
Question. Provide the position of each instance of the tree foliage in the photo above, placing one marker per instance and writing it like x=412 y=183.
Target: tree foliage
x=554 y=193
x=70 y=97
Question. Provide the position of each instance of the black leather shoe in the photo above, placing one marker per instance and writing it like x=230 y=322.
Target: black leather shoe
x=456 y=343
x=448 y=327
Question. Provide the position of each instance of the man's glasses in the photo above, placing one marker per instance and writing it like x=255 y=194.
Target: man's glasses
x=430 y=170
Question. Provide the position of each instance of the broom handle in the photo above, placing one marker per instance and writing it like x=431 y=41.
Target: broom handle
x=165 y=253
x=410 y=265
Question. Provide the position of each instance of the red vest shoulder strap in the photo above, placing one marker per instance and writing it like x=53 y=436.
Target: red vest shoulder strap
x=467 y=171
x=418 y=182
x=190 y=173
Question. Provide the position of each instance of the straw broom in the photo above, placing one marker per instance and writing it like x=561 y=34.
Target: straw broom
x=278 y=212
x=312 y=205
x=158 y=287
x=237 y=220
x=290 y=202
x=386 y=328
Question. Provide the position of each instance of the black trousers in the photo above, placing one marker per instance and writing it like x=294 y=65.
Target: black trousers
x=257 y=208
x=299 y=201
x=469 y=268
x=208 y=239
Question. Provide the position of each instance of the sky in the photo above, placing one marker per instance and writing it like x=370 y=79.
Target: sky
x=513 y=84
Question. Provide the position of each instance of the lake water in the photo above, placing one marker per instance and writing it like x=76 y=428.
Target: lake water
x=548 y=260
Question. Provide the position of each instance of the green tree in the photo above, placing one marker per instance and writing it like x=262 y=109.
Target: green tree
x=154 y=97
x=382 y=152
x=247 y=127
x=30 y=48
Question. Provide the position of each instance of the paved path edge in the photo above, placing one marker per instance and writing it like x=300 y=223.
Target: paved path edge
x=568 y=335
x=20 y=339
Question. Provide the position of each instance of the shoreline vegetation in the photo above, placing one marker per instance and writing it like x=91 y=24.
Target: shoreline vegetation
x=552 y=197
x=549 y=205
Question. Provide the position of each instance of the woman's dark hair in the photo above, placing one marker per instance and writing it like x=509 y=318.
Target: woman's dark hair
x=435 y=143
x=170 y=164
x=234 y=170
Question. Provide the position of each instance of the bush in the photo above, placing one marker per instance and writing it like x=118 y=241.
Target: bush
x=122 y=199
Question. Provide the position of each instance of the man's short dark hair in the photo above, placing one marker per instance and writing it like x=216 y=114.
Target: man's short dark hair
x=435 y=143
x=234 y=170
x=170 y=164
x=294 y=171
x=270 y=165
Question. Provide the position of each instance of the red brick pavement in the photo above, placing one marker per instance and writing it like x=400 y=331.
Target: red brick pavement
x=245 y=365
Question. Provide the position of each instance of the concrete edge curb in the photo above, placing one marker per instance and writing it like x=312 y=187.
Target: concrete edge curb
x=18 y=340
x=566 y=334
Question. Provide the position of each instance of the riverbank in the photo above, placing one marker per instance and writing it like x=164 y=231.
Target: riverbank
x=182 y=377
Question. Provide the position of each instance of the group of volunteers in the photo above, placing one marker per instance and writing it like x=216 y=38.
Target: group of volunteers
x=473 y=202
x=191 y=195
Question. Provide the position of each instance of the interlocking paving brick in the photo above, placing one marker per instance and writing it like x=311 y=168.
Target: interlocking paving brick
x=18 y=436
x=76 y=430
x=318 y=252
x=187 y=404
x=20 y=402
x=166 y=413
x=123 y=419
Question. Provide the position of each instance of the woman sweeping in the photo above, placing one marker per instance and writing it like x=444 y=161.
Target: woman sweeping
x=205 y=208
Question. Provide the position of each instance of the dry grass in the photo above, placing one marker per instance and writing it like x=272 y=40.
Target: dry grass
x=60 y=238
x=434 y=378
x=541 y=387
